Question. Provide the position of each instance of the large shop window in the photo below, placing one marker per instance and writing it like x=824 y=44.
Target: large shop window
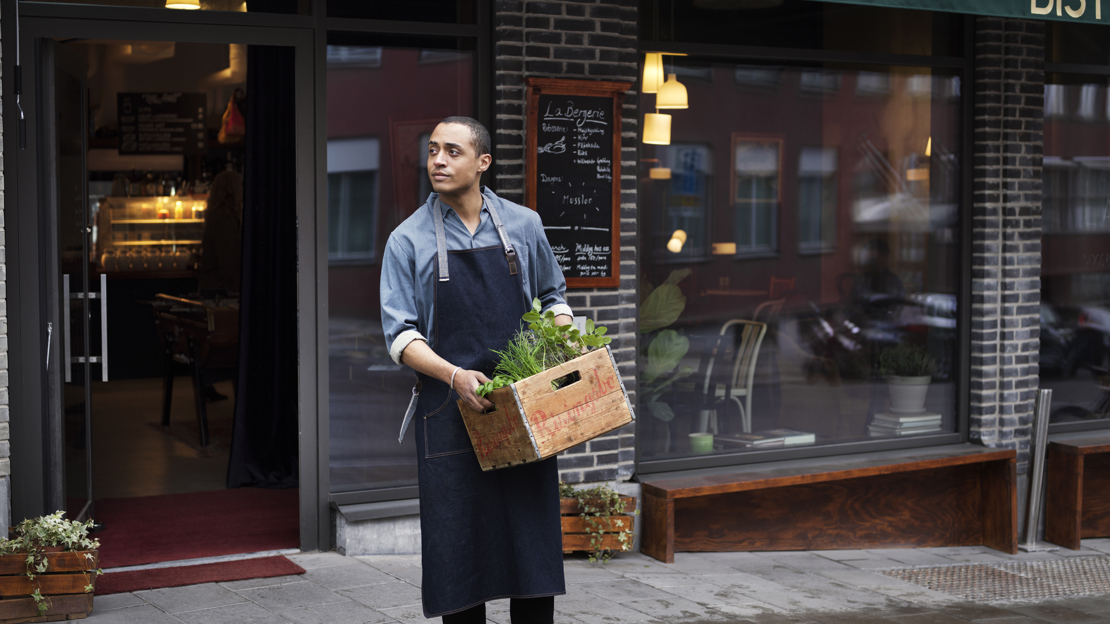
x=382 y=104
x=800 y=254
x=1075 y=274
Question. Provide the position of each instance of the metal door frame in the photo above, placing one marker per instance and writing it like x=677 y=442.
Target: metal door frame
x=25 y=226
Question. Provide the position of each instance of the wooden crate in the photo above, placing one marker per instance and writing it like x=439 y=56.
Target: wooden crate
x=63 y=584
x=531 y=421
x=575 y=527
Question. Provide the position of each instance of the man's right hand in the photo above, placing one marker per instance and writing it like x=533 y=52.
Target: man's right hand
x=466 y=385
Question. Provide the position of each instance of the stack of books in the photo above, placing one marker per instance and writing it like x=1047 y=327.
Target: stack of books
x=767 y=439
x=749 y=440
x=885 y=425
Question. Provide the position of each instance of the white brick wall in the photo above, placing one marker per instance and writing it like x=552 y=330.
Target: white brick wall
x=1006 y=248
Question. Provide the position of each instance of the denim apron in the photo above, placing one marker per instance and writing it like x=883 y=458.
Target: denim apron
x=484 y=535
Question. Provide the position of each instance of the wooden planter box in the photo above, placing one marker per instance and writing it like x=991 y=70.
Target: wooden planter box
x=63 y=585
x=531 y=421
x=575 y=527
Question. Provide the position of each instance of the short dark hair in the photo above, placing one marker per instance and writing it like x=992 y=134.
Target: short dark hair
x=478 y=133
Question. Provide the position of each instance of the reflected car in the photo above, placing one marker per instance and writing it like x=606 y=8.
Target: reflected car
x=1074 y=337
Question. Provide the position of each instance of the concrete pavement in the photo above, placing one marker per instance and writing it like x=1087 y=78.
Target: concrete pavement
x=827 y=587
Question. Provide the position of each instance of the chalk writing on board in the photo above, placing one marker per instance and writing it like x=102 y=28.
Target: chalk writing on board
x=161 y=123
x=574 y=156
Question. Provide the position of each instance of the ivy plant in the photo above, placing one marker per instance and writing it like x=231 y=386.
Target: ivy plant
x=595 y=504
x=33 y=536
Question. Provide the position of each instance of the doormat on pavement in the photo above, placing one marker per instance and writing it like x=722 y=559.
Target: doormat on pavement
x=157 y=578
x=1014 y=581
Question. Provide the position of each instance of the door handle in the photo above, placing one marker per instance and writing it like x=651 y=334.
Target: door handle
x=102 y=359
x=66 y=329
x=103 y=327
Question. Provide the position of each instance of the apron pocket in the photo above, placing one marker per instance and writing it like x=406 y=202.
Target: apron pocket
x=444 y=431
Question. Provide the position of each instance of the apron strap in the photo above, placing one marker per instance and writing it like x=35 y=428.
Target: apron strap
x=441 y=241
x=510 y=253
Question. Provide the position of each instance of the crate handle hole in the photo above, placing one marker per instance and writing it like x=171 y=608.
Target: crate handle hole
x=566 y=380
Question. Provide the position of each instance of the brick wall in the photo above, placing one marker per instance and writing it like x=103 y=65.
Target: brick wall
x=589 y=40
x=1006 y=232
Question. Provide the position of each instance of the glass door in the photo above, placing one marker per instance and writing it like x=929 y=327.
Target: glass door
x=76 y=314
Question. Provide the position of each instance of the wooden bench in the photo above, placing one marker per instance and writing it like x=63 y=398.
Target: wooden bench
x=1077 y=481
x=959 y=495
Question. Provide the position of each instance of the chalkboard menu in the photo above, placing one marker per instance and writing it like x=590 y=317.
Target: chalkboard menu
x=161 y=123
x=573 y=174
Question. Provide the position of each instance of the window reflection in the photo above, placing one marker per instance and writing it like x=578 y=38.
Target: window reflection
x=382 y=104
x=820 y=258
x=1075 y=281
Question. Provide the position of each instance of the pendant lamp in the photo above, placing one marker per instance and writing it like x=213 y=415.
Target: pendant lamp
x=672 y=94
x=657 y=129
x=653 y=72
x=183 y=4
x=659 y=173
x=678 y=239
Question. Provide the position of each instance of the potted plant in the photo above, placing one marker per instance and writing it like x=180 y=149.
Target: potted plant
x=48 y=566
x=908 y=371
x=596 y=520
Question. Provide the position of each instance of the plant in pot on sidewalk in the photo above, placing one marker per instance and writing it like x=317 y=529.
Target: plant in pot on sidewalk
x=46 y=557
x=604 y=519
x=908 y=371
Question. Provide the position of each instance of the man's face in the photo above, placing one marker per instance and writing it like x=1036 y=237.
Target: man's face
x=453 y=161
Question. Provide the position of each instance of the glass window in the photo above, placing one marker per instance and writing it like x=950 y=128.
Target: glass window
x=819 y=269
x=817 y=174
x=293 y=7
x=382 y=104
x=1075 y=274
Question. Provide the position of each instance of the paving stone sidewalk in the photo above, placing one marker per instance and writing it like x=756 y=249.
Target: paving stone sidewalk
x=827 y=587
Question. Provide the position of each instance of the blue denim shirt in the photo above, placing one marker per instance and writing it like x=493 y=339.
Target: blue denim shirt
x=408 y=274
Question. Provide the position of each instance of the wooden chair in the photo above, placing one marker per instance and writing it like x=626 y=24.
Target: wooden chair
x=779 y=287
x=731 y=370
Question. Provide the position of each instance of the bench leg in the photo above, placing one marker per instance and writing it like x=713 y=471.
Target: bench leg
x=1064 y=501
x=658 y=538
x=999 y=505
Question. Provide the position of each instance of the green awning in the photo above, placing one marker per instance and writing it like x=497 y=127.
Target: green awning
x=1086 y=11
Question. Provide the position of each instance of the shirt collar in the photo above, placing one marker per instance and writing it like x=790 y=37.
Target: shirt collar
x=446 y=209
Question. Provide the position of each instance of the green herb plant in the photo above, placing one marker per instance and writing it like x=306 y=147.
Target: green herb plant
x=541 y=346
x=594 y=504
x=906 y=361
x=34 y=535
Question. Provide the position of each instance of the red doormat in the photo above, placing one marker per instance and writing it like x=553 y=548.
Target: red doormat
x=172 y=527
x=158 y=578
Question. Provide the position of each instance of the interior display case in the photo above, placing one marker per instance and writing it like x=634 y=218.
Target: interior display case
x=150 y=233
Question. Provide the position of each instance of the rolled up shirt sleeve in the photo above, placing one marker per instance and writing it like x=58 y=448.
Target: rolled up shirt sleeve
x=398 y=297
x=550 y=286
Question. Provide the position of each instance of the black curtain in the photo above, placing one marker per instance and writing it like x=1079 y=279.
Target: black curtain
x=265 y=433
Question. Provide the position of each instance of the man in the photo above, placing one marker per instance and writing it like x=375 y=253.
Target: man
x=456 y=277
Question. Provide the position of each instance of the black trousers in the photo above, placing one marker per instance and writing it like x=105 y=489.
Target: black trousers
x=521 y=611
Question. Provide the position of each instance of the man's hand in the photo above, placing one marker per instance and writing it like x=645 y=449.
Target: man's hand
x=466 y=384
x=420 y=356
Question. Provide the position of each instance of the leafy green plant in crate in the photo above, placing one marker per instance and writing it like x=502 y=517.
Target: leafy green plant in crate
x=35 y=537
x=595 y=504
x=660 y=306
x=541 y=346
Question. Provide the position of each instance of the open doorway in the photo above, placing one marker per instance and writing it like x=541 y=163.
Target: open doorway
x=172 y=227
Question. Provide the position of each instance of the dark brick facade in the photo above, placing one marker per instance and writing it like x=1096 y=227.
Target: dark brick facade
x=588 y=40
x=1006 y=249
